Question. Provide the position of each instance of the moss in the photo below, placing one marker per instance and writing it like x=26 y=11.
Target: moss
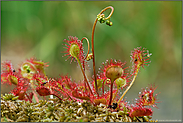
x=60 y=111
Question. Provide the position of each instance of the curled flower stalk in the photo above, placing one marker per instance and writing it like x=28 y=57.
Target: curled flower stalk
x=101 y=18
x=75 y=50
x=88 y=46
x=139 y=57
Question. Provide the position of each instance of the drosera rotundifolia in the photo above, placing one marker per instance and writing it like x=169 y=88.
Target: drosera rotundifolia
x=92 y=95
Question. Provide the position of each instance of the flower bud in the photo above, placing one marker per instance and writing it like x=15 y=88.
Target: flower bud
x=110 y=24
x=102 y=20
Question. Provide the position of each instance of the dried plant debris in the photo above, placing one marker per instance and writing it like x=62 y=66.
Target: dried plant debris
x=54 y=110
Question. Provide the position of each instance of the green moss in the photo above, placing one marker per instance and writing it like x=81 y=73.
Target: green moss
x=59 y=111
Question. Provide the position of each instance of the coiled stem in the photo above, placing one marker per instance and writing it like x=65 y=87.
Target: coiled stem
x=92 y=38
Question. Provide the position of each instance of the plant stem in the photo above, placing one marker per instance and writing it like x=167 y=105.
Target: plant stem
x=111 y=89
x=94 y=72
x=103 y=87
x=85 y=57
x=115 y=95
x=93 y=30
x=33 y=89
x=130 y=84
x=55 y=94
x=28 y=98
x=84 y=76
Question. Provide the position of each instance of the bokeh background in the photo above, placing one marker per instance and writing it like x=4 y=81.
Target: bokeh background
x=37 y=29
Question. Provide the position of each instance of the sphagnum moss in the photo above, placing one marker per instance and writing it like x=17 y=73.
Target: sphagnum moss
x=60 y=111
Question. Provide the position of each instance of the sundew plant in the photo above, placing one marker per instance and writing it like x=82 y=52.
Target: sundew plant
x=108 y=87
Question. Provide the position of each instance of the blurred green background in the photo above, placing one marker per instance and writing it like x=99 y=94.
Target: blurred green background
x=37 y=28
